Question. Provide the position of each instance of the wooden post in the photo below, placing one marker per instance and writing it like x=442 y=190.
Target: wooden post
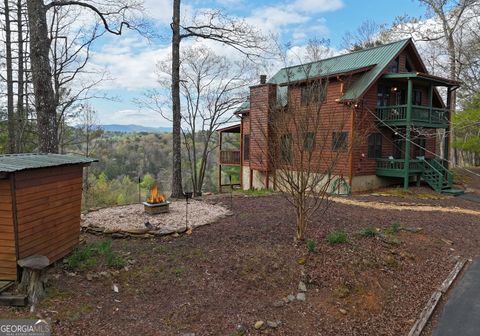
x=448 y=138
x=430 y=103
x=406 y=168
x=219 y=162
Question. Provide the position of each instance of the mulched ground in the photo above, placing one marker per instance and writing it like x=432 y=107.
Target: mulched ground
x=230 y=273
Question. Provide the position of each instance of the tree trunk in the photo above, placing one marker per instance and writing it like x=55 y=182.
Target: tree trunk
x=177 y=189
x=21 y=115
x=42 y=77
x=8 y=61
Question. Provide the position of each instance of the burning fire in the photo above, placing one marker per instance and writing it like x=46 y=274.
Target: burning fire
x=155 y=196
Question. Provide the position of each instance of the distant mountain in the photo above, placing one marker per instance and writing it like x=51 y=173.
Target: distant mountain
x=134 y=129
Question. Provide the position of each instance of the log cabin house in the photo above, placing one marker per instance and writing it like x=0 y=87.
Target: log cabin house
x=395 y=111
x=40 y=203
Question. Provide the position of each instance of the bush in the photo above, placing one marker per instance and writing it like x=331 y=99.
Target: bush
x=336 y=237
x=311 y=245
x=394 y=228
x=368 y=232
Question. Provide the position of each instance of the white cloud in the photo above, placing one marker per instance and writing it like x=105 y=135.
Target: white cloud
x=317 y=6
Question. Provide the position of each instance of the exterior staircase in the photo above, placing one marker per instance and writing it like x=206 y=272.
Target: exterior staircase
x=438 y=177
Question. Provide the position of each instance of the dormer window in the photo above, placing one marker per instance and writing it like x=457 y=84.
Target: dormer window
x=393 y=68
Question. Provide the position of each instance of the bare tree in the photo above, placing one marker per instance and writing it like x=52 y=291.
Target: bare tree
x=444 y=27
x=369 y=34
x=113 y=16
x=211 y=25
x=9 y=77
x=305 y=140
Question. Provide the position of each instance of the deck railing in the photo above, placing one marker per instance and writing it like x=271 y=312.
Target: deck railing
x=397 y=114
x=230 y=157
x=399 y=164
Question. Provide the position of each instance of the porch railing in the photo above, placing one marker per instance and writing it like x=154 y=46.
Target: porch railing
x=415 y=166
x=397 y=114
x=231 y=157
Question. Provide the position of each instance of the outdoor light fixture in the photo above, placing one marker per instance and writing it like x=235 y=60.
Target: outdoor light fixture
x=394 y=89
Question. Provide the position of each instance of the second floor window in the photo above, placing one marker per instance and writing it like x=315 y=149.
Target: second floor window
x=286 y=148
x=383 y=96
x=417 y=97
x=309 y=141
x=394 y=66
x=312 y=94
x=339 y=141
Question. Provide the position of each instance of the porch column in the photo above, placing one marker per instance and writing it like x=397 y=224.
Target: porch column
x=430 y=103
x=447 y=139
x=407 y=135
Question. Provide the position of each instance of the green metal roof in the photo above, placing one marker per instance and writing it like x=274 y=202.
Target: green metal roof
x=10 y=163
x=378 y=58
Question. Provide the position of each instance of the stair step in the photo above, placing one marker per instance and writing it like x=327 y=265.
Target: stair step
x=454 y=192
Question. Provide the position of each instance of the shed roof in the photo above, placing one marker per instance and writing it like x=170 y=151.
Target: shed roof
x=374 y=59
x=10 y=163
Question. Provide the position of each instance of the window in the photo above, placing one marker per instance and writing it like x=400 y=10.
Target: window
x=398 y=146
x=401 y=98
x=286 y=148
x=383 y=96
x=312 y=94
x=309 y=141
x=339 y=141
x=393 y=68
x=417 y=97
x=246 y=147
x=408 y=65
x=374 y=145
x=419 y=146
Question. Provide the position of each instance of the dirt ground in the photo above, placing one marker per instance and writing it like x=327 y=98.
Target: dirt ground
x=235 y=271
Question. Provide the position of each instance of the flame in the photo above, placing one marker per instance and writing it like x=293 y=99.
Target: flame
x=155 y=196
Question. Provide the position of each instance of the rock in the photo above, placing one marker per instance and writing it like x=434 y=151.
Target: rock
x=291 y=298
x=117 y=235
x=301 y=297
x=35 y=262
x=302 y=287
x=273 y=324
x=241 y=330
x=115 y=288
x=72 y=274
x=176 y=234
x=89 y=277
x=258 y=324
x=104 y=274
x=279 y=303
x=343 y=311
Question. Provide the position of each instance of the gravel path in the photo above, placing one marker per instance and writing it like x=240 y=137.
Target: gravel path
x=132 y=217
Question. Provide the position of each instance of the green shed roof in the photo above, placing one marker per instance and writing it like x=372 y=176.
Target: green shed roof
x=10 y=163
x=377 y=58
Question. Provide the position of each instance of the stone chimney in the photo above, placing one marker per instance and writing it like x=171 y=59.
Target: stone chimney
x=263 y=79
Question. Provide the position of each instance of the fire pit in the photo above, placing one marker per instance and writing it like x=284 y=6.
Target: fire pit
x=156 y=203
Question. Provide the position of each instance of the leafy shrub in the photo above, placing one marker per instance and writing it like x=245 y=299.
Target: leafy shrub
x=336 y=237
x=394 y=228
x=311 y=245
x=368 y=232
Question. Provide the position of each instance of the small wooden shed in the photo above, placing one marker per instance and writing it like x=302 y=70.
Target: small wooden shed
x=40 y=203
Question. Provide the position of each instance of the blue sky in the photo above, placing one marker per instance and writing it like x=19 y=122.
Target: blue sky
x=130 y=60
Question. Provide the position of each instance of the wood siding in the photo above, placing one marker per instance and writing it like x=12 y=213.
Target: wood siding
x=48 y=211
x=8 y=258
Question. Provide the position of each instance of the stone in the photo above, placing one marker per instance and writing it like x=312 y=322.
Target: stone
x=302 y=287
x=343 y=311
x=104 y=274
x=279 y=303
x=258 y=324
x=117 y=235
x=115 y=288
x=35 y=262
x=291 y=298
x=89 y=277
x=273 y=324
x=301 y=297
